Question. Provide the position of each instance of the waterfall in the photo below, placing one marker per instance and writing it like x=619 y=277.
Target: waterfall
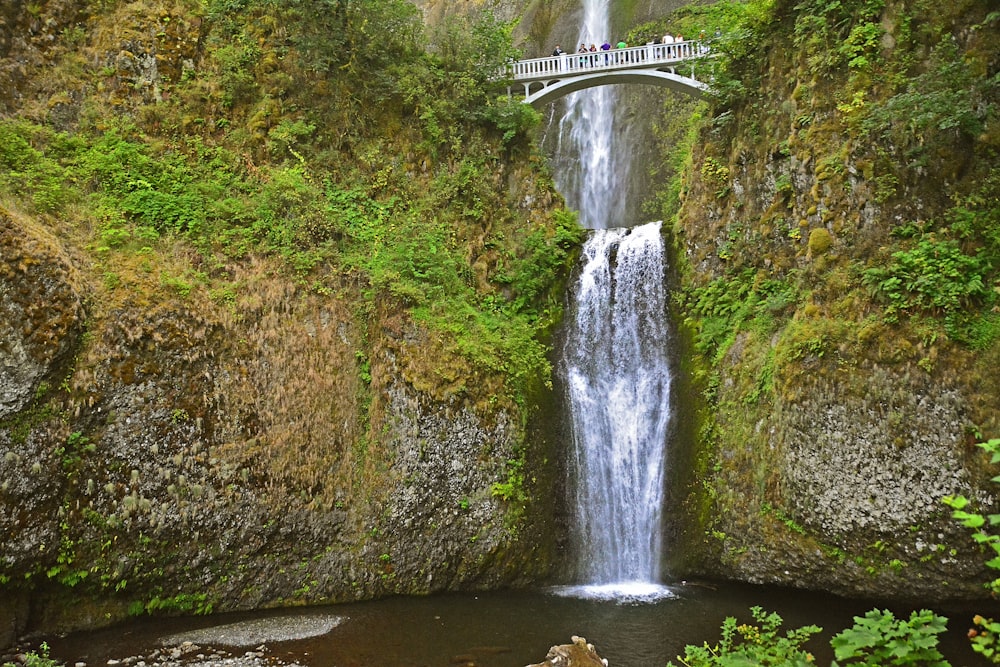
x=616 y=370
x=614 y=360
x=588 y=172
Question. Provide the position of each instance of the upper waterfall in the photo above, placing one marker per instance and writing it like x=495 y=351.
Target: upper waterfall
x=589 y=171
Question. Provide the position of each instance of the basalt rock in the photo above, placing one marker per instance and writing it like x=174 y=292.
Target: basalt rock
x=832 y=427
x=41 y=311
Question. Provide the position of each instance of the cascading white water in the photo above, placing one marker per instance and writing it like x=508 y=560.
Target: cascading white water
x=616 y=369
x=614 y=360
x=588 y=169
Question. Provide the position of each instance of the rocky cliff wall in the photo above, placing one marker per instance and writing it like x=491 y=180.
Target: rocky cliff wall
x=541 y=24
x=184 y=431
x=829 y=430
x=178 y=456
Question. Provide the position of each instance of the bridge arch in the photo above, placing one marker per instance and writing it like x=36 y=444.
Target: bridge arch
x=547 y=79
x=550 y=91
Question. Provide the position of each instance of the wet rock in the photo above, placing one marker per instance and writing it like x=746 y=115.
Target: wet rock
x=577 y=654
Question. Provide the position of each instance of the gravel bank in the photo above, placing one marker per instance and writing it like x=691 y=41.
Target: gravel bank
x=221 y=645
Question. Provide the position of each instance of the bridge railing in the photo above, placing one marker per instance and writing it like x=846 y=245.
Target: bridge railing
x=579 y=63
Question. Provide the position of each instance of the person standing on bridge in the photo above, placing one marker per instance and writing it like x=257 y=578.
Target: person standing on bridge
x=557 y=51
x=606 y=46
x=668 y=40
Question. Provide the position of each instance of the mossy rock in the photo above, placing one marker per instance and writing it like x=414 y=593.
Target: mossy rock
x=820 y=241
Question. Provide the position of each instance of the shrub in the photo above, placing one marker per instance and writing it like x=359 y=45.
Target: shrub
x=934 y=276
x=33 y=659
x=748 y=645
x=878 y=639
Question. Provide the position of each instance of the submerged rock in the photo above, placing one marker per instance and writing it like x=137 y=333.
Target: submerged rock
x=258 y=631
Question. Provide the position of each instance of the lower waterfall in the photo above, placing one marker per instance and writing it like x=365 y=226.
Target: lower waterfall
x=615 y=367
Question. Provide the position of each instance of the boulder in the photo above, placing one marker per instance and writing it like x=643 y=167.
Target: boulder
x=41 y=313
x=577 y=654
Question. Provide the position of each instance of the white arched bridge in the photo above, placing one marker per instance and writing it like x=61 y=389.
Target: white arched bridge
x=669 y=65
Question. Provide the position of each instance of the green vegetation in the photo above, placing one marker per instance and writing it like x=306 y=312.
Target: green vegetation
x=342 y=143
x=513 y=489
x=746 y=644
x=932 y=276
x=182 y=603
x=878 y=639
x=986 y=638
x=728 y=305
x=37 y=659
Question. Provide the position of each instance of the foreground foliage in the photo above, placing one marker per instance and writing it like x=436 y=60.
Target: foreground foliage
x=878 y=639
x=37 y=659
x=986 y=637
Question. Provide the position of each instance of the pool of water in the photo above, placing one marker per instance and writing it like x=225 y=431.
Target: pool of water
x=646 y=628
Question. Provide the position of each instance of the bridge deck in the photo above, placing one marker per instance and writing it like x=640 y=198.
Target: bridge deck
x=650 y=56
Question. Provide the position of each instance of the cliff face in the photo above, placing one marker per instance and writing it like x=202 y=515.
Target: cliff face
x=197 y=459
x=838 y=406
x=189 y=426
x=541 y=24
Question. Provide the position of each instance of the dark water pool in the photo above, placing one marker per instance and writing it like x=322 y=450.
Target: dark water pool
x=513 y=629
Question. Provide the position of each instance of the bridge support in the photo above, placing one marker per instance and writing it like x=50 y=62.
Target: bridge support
x=553 y=90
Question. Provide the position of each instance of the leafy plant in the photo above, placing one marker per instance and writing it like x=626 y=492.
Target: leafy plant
x=747 y=645
x=511 y=490
x=933 y=275
x=986 y=639
x=833 y=34
x=876 y=640
x=37 y=659
x=945 y=98
x=185 y=603
x=880 y=640
x=729 y=304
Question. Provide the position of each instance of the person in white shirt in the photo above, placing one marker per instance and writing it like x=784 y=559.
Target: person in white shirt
x=668 y=39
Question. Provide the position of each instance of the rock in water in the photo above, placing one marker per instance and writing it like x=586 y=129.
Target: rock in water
x=577 y=654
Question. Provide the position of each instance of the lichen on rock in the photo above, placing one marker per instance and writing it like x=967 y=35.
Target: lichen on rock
x=41 y=311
